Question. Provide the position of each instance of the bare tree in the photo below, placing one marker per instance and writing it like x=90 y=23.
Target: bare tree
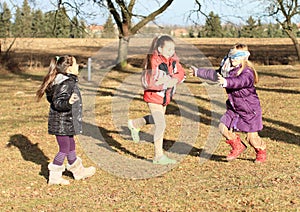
x=284 y=11
x=123 y=13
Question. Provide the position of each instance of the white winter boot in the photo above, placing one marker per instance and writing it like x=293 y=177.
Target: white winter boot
x=80 y=172
x=55 y=175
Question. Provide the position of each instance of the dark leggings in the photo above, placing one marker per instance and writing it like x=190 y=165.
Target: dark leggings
x=66 y=149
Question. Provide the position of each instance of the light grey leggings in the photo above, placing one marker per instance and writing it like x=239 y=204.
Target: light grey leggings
x=157 y=117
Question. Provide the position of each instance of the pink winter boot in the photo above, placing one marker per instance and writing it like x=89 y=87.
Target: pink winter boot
x=261 y=155
x=238 y=147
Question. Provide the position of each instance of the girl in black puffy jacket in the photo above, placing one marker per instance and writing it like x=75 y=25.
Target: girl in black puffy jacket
x=65 y=117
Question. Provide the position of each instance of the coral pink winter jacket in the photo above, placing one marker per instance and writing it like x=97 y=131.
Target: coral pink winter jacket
x=163 y=67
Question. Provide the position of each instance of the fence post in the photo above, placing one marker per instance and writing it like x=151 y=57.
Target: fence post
x=89 y=68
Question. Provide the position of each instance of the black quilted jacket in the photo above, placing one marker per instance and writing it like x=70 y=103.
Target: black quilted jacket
x=64 y=118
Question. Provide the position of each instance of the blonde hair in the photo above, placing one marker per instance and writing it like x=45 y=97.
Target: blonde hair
x=245 y=63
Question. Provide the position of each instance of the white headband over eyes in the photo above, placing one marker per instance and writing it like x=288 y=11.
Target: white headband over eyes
x=233 y=54
x=239 y=54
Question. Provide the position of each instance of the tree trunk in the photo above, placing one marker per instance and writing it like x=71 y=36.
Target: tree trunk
x=122 y=52
x=123 y=46
x=0 y=55
x=295 y=42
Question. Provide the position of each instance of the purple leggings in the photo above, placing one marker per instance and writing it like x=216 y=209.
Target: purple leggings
x=66 y=149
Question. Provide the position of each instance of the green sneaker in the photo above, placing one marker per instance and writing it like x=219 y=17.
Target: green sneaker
x=134 y=132
x=164 y=160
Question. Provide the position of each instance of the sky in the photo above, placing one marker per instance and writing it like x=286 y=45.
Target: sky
x=176 y=14
x=180 y=10
x=228 y=11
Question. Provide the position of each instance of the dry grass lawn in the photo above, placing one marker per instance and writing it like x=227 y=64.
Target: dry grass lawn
x=214 y=185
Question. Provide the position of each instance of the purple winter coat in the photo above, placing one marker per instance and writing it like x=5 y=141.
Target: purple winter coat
x=243 y=106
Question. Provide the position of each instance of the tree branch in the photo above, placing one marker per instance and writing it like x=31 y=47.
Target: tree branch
x=115 y=14
x=151 y=17
x=130 y=6
x=197 y=11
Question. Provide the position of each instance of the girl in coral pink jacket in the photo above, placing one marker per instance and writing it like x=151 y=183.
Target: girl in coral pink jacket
x=238 y=76
x=161 y=75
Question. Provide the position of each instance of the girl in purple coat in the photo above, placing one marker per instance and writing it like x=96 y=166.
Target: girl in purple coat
x=238 y=76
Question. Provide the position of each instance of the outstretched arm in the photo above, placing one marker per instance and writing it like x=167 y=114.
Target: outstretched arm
x=204 y=73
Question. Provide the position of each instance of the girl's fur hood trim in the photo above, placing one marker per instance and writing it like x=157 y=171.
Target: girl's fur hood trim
x=60 y=78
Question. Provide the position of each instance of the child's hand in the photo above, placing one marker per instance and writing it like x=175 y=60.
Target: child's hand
x=221 y=80
x=193 y=71
x=74 y=97
x=171 y=83
x=162 y=80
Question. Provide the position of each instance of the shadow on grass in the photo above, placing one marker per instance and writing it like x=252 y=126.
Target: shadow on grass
x=279 y=135
x=108 y=138
x=277 y=75
x=30 y=152
x=278 y=90
x=115 y=144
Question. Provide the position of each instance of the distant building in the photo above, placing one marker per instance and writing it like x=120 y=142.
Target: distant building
x=180 y=32
x=95 y=30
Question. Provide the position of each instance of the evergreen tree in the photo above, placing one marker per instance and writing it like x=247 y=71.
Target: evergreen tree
x=275 y=31
x=26 y=19
x=61 y=24
x=74 y=27
x=230 y=31
x=49 y=24
x=5 y=21
x=191 y=32
x=17 y=26
x=38 y=24
x=77 y=28
x=199 y=34
x=249 y=30
x=83 y=29
x=23 y=21
x=108 y=28
x=270 y=31
x=260 y=30
x=213 y=26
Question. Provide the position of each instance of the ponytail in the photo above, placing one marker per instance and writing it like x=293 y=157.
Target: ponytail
x=48 y=79
x=147 y=60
